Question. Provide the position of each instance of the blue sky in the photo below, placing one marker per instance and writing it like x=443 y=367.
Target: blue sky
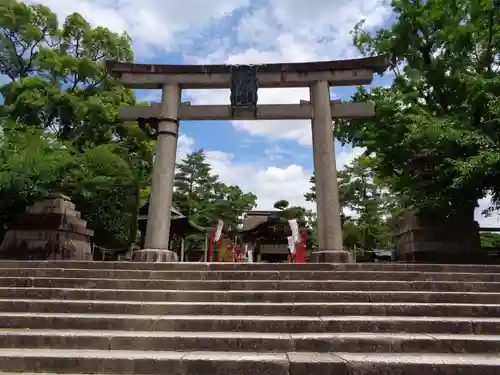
x=273 y=159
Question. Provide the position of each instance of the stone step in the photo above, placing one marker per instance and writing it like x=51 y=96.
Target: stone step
x=244 y=308
x=248 y=285
x=250 y=341
x=240 y=323
x=249 y=275
x=250 y=296
x=468 y=268
x=242 y=363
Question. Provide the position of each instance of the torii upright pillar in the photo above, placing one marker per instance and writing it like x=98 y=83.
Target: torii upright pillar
x=330 y=242
x=156 y=246
x=244 y=82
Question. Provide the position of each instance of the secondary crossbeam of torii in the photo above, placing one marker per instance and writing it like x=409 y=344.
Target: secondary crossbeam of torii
x=244 y=81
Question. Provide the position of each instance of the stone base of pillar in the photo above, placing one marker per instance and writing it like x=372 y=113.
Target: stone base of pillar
x=332 y=256
x=155 y=256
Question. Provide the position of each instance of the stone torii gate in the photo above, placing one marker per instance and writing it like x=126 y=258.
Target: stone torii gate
x=244 y=81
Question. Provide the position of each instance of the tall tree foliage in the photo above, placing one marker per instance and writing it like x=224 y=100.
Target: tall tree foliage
x=57 y=74
x=200 y=195
x=305 y=218
x=368 y=206
x=194 y=186
x=435 y=130
x=34 y=163
x=61 y=130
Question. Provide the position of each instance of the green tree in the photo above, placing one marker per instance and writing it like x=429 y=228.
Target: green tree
x=368 y=206
x=30 y=165
x=490 y=241
x=281 y=204
x=102 y=185
x=305 y=218
x=435 y=130
x=230 y=203
x=194 y=185
x=311 y=194
x=58 y=78
x=368 y=201
x=25 y=30
x=61 y=103
x=34 y=162
x=202 y=197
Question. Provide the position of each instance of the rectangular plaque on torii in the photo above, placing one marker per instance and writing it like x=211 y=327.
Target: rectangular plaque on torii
x=244 y=87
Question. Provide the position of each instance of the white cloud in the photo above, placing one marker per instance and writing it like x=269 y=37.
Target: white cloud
x=344 y=158
x=152 y=24
x=297 y=130
x=269 y=183
x=490 y=221
x=270 y=31
x=185 y=145
x=292 y=31
x=276 y=31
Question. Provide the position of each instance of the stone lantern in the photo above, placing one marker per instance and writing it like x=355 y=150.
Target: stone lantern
x=50 y=229
x=436 y=236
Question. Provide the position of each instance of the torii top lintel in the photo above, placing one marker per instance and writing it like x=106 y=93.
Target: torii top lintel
x=338 y=72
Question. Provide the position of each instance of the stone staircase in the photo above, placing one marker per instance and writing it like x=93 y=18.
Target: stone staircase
x=237 y=319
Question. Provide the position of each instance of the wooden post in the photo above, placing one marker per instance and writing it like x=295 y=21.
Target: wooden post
x=211 y=244
x=182 y=249
x=219 y=250
x=205 y=252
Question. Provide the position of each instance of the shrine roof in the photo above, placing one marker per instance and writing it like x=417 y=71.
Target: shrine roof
x=265 y=222
x=377 y=64
x=256 y=219
x=178 y=222
x=183 y=225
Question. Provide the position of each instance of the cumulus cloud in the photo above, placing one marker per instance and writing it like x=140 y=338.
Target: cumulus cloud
x=267 y=31
x=263 y=31
x=269 y=182
x=295 y=130
x=490 y=221
x=292 y=31
x=154 y=25
x=185 y=145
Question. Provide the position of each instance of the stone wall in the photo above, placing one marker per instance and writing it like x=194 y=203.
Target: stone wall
x=51 y=229
x=434 y=239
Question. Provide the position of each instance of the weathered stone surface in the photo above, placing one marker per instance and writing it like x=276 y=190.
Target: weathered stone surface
x=249 y=308
x=417 y=364
x=434 y=239
x=142 y=362
x=182 y=319
x=254 y=285
x=250 y=342
x=308 y=363
x=177 y=363
x=238 y=296
x=49 y=230
x=247 y=275
x=155 y=256
x=269 y=324
x=332 y=257
x=333 y=268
